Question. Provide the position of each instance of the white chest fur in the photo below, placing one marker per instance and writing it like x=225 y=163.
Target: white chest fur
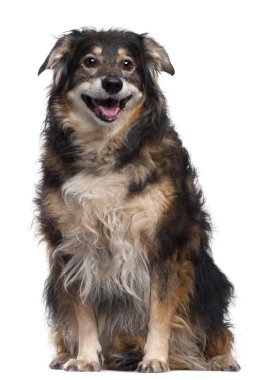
x=103 y=235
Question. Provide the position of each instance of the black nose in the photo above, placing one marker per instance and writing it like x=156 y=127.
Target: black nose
x=112 y=85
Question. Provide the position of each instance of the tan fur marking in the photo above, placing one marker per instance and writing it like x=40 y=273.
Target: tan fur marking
x=57 y=210
x=97 y=50
x=122 y=54
x=220 y=344
x=59 y=343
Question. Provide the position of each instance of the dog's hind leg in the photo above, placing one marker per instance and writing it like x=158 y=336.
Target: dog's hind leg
x=62 y=354
x=62 y=318
x=219 y=353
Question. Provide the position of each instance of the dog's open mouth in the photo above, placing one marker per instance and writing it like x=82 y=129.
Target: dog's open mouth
x=105 y=109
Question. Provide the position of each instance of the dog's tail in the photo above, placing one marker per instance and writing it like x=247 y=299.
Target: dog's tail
x=127 y=353
x=127 y=361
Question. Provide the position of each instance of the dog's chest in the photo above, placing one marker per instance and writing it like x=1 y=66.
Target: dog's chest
x=107 y=231
x=102 y=210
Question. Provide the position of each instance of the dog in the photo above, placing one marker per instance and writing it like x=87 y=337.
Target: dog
x=132 y=283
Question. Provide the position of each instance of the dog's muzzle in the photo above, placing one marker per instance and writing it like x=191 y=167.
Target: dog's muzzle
x=107 y=108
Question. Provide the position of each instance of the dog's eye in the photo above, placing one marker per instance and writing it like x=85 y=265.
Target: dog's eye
x=90 y=62
x=127 y=65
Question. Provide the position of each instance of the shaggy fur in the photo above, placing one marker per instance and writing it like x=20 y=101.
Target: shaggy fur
x=132 y=283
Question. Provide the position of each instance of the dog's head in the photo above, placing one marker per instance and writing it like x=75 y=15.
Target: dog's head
x=107 y=73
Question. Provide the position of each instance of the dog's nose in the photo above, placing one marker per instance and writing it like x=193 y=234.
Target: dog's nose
x=112 y=85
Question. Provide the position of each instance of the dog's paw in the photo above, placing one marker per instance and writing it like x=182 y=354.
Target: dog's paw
x=223 y=363
x=59 y=361
x=82 y=365
x=153 y=365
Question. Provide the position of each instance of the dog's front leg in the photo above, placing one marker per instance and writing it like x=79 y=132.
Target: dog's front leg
x=163 y=299
x=89 y=356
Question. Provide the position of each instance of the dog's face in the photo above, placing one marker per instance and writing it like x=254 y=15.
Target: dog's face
x=106 y=74
x=107 y=80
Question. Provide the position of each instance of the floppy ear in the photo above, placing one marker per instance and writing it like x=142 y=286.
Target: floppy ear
x=57 y=58
x=157 y=55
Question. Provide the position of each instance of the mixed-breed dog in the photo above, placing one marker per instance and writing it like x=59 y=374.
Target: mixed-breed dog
x=132 y=284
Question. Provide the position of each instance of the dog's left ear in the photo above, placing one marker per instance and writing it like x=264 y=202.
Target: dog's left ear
x=60 y=49
x=58 y=58
x=157 y=55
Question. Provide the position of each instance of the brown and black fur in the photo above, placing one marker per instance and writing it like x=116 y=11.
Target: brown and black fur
x=132 y=283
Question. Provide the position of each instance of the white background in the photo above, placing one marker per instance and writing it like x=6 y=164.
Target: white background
x=216 y=100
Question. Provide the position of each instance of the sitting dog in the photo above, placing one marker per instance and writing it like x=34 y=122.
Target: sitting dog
x=132 y=283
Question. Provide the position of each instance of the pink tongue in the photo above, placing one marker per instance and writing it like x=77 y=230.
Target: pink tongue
x=108 y=112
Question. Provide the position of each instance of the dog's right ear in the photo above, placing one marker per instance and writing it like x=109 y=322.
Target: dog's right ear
x=157 y=56
x=57 y=58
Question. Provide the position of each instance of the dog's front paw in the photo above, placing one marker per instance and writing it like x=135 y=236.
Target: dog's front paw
x=82 y=365
x=153 y=365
